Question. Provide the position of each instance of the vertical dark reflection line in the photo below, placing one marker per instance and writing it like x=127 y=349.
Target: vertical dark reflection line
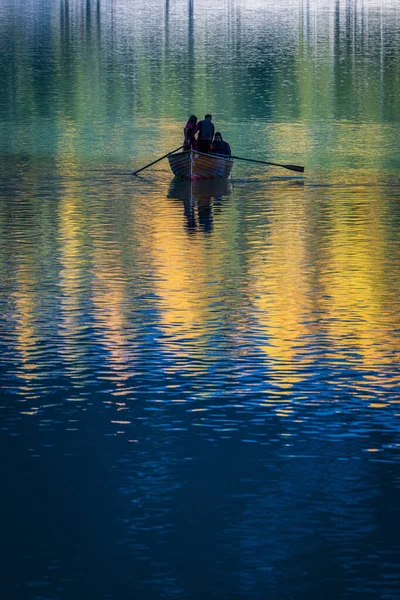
x=98 y=14
x=336 y=54
x=88 y=18
x=308 y=22
x=112 y=62
x=381 y=65
x=64 y=21
x=93 y=27
x=165 y=55
x=98 y=29
x=348 y=70
x=9 y=52
x=304 y=27
x=191 y=54
x=166 y=28
x=66 y=57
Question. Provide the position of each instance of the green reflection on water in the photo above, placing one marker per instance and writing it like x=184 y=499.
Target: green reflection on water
x=117 y=80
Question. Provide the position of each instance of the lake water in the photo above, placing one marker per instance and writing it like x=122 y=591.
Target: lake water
x=200 y=388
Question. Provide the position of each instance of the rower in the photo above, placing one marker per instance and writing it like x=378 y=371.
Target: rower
x=205 y=135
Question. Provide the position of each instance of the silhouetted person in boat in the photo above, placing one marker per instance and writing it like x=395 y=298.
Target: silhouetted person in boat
x=189 y=131
x=219 y=146
x=205 y=133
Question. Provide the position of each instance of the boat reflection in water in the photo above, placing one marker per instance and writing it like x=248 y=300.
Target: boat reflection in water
x=202 y=200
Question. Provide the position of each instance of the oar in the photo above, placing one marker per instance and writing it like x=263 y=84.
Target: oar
x=156 y=161
x=263 y=162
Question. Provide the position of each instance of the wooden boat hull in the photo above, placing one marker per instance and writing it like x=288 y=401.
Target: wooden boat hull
x=197 y=165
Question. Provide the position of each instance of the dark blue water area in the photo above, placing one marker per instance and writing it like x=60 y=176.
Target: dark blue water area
x=192 y=411
x=154 y=498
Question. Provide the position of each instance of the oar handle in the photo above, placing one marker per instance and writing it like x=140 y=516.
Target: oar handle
x=158 y=160
x=263 y=162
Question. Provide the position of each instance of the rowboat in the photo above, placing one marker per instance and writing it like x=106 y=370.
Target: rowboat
x=192 y=164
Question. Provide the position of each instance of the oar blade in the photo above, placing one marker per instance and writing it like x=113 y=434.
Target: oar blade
x=294 y=168
x=297 y=168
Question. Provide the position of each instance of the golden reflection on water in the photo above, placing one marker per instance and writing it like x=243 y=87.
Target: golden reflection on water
x=359 y=297
x=195 y=280
x=318 y=269
x=27 y=335
x=74 y=258
x=329 y=279
x=280 y=285
x=305 y=264
x=183 y=283
x=24 y=255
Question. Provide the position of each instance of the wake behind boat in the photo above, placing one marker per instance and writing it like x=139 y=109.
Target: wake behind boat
x=192 y=164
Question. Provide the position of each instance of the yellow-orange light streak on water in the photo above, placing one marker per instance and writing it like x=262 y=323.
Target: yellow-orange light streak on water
x=359 y=304
x=188 y=281
x=72 y=237
x=27 y=335
x=26 y=298
x=180 y=282
x=280 y=289
x=109 y=300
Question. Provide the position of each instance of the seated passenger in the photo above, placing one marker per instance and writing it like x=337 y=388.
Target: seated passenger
x=219 y=146
x=189 y=131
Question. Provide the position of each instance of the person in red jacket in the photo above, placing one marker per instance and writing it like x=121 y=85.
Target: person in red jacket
x=205 y=133
x=189 y=131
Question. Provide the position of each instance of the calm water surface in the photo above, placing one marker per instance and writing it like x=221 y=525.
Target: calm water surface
x=200 y=387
